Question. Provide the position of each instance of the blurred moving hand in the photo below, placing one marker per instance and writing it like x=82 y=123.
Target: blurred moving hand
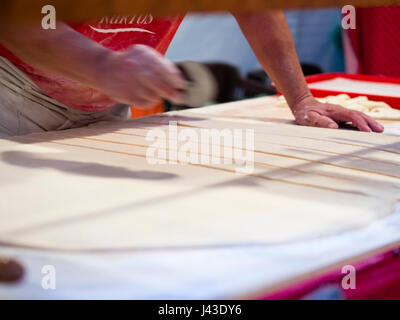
x=140 y=76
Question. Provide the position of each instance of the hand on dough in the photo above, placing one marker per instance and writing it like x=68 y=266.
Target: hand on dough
x=310 y=112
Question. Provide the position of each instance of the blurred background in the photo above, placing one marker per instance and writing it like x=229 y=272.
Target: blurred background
x=217 y=37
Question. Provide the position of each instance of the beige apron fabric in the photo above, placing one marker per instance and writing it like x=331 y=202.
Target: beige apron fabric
x=24 y=108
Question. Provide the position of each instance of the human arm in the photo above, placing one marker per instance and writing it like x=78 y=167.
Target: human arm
x=269 y=36
x=138 y=76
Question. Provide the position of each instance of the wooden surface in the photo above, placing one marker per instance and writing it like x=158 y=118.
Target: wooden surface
x=77 y=10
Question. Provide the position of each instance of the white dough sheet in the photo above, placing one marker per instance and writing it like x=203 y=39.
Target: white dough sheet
x=67 y=191
x=89 y=204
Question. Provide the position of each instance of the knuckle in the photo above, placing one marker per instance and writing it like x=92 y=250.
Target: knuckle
x=330 y=108
x=141 y=47
x=352 y=114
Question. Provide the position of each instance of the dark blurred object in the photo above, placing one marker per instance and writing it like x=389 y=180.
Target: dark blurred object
x=229 y=80
x=10 y=270
x=216 y=82
x=261 y=77
x=309 y=69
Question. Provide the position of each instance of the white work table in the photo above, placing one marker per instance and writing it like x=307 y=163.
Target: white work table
x=197 y=273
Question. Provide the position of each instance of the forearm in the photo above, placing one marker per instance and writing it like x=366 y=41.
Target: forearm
x=62 y=51
x=269 y=36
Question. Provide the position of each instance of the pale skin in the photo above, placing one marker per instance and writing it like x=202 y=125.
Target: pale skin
x=140 y=76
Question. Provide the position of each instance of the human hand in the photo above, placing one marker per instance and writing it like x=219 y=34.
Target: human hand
x=310 y=112
x=140 y=76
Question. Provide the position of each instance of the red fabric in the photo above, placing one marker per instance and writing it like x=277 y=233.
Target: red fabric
x=376 y=40
x=126 y=31
x=377 y=277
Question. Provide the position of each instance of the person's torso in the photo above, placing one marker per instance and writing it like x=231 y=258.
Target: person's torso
x=116 y=33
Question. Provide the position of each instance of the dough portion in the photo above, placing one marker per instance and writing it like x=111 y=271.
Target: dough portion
x=375 y=109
